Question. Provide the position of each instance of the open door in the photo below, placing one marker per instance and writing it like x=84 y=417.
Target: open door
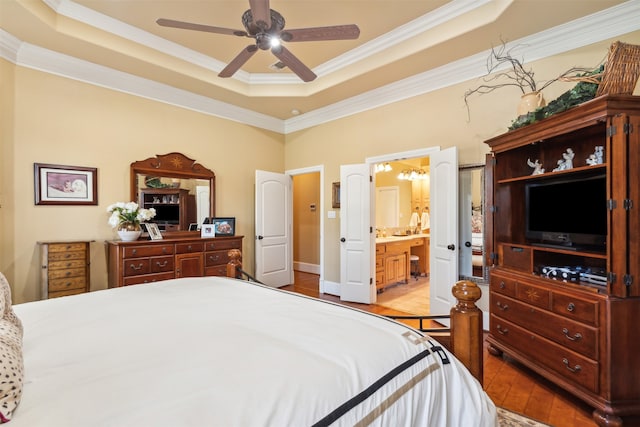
x=274 y=229
x=444 y=229
x=356 y=235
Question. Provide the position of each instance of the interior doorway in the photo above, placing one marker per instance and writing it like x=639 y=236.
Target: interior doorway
x=308 y=221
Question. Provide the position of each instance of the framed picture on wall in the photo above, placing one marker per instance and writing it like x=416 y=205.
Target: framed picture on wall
x=335 y=195
x=65 y=185
x=224 y=226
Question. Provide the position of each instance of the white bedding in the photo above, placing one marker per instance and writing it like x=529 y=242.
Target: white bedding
x=219 y=352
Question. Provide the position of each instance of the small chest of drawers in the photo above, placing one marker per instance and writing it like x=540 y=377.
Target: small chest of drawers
x=64 y=268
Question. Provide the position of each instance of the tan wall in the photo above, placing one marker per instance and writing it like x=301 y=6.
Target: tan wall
x=434 y=119
x=7 y=209
x=306 y=220
x=62 y=121
x=48 y=119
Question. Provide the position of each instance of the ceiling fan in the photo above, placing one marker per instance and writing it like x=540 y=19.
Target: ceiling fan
x=266 y=26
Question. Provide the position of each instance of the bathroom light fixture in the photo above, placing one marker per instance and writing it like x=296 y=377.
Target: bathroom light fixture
x=380 y=167
x=412 y=174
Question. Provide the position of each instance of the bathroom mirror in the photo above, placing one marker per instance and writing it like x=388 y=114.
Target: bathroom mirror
x=471 y=222
x=181 y=190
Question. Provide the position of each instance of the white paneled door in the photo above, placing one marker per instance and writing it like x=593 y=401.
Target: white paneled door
x=444 y=229
x=356 y=235
x=274 y=229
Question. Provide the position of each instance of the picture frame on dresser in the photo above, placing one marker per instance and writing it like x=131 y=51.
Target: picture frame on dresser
x=224 y=226
x=207 y=230
x=65 y=185
x=154 y=231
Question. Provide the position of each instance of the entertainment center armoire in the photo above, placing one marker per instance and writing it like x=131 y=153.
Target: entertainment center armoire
x=570 y=311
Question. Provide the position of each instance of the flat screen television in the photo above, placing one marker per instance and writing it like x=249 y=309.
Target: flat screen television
x=567 y=212
x=167 y=214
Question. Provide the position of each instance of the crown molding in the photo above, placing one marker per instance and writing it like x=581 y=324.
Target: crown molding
x=607 y=24
x=612 y=22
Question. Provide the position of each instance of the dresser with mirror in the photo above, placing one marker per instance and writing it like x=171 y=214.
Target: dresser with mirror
x=182 y=192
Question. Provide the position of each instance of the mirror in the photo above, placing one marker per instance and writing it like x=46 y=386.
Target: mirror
x=180 y=190
x=471 y=214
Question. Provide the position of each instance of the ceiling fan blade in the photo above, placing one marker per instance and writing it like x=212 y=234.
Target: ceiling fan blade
x=238 y=61
x=261 y=13
x=293 y=63
x=336 y=32
x=199 y=27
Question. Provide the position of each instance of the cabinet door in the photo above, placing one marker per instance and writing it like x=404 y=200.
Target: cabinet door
x=190 y=265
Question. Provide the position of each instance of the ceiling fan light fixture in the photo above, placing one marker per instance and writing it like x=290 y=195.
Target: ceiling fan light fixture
x=275 y=41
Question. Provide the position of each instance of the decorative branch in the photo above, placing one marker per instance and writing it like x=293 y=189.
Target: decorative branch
x=515 y=74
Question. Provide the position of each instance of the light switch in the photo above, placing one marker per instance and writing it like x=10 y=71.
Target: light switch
x=331 y=214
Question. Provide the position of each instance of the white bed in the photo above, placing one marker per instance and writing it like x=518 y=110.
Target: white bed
x=221 y=352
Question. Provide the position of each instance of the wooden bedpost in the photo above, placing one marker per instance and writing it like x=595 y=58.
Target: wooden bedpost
x=234 y=263
x=466 y=327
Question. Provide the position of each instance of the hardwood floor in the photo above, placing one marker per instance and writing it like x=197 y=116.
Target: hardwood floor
x=509 y=384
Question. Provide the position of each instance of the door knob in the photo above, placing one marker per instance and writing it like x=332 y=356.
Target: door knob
x=342 y=239
x=451 y=247
x=260 y=237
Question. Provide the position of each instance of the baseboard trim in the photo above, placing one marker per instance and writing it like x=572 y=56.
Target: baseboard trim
x=306 y=267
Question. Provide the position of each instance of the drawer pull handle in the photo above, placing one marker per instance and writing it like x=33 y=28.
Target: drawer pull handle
x=135 y=251
x=133 y=267
x=164 y=250
x=503 y=307
x=575 y=337
x=502 y=331
x=214 y=257
x=571 y=307
x=164 y=264
x=189 y=248
x=502 y=285
x=576 y=368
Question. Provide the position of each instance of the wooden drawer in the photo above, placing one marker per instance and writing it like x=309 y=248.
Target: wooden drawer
x=65 y=256
x=136 y=266
x=416 y=242
x=217 y=244
x=216 y=270
x=566 y=332
x=575 y=308
x=161 y=263
x=379 y=262
x=503 y=285
x=570 y=365
x=381 y=248
x=150 y=250
x=64 y=284
x=534 y=295
x=67 y=247
x=148 y=278
x=216 y=258
x=190 y=247
x=397 y=247
x=71 y=263
x=516 y=257
x=70 y=272
x=379 y=279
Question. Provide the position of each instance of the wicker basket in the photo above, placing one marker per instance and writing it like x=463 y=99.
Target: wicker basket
x=621 y=71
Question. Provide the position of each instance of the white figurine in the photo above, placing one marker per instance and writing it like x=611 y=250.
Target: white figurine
x=568 y=158
x=592 y=160
x=560 y=167
x=567 y=163
x=597 y=158
x=537 y=167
